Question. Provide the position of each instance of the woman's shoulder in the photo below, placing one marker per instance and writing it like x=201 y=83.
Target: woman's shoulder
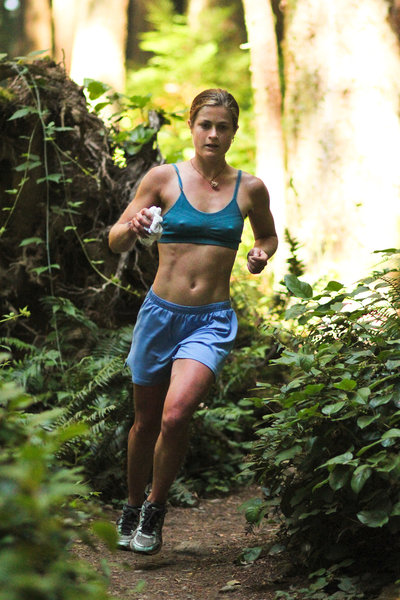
x=161 y=172
x=253 y=185
x=157 y=177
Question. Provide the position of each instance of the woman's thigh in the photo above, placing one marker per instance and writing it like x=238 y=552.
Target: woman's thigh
x=149 y=403
x=190 y=382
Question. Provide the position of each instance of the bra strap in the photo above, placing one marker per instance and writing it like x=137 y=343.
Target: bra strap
x=179 y=177
x=238 y=178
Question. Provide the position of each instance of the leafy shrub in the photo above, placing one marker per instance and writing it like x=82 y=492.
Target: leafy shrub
x=39 y=507
x=327 y=453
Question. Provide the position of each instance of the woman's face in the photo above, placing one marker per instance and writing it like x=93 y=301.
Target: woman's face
x=212 y=131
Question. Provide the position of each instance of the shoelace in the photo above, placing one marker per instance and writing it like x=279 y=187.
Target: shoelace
x=127 y=521
x=151 y=519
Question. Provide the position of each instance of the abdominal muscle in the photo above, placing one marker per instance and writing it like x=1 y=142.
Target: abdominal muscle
x=193 y=274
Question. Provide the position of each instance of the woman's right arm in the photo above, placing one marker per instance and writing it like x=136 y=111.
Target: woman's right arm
x=137 y=216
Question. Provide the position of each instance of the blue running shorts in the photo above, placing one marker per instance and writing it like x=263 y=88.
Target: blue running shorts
x=165 y=331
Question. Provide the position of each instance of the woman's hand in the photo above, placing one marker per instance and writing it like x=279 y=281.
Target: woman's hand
x=140 y=221
x=256 y=260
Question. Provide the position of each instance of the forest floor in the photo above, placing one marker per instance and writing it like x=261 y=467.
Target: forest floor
x=200 y=557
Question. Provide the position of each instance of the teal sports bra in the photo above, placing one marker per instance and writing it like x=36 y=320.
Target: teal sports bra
x=184 y=224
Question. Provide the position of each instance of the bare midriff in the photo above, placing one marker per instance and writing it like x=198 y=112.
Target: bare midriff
x=193 y=274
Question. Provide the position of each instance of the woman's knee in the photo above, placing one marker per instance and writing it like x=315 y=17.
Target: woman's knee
x=144 y=427
x=175 y=423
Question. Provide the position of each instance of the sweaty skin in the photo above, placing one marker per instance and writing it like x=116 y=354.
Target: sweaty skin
x=194 y=274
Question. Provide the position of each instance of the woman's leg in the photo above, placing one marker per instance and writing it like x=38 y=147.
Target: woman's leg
x=190 y=381
x=149 y=402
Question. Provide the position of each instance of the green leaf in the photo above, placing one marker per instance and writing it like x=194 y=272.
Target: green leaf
x=100 y=105
x=40 y=270
x=305 y=361
x=56 y=177
x=300 y=289
x=332 y=409
x=392 y=433
x=28 y=165
x=366 y=420
x=340 y=459
x=338 y=478
x=295 y=311
x=313 y=388
x=373 y=518
x=395 y=510
x=379 y=400
x=360 y=476
x=95 y=88
x=367 y=447
x=254 y=510
x=139 y=101
x=346 y=384
x=22 y=112
x=32 y=240
x=391 y=365
x=37 y=52
x=320 y=484
x=106 y=532
x=287 y=454
x=334 y=286
x=249 y=555
x=362 y=395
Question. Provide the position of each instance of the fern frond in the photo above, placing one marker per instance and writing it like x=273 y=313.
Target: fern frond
x=295 y=265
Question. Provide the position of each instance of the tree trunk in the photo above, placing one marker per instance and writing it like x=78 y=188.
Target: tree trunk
x=37 y=28
x=394 y=16
x=267 y=103
x=137 y=24
x=99 y=45
x=343 y=133
x=65 y=20
x=195 y=10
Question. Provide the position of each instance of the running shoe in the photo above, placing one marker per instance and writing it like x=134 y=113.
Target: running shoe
x=148 y=536
x=127 y=525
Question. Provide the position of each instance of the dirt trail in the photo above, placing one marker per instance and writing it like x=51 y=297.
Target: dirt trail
x=199 y=558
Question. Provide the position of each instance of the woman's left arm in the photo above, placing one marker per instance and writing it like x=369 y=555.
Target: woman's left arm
x=262 y=224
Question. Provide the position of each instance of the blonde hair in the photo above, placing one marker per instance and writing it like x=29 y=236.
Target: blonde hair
x=215 y=97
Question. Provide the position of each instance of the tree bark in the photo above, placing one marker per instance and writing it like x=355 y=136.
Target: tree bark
x=267 y=103
x=137 y=24
x=394 y=16
x=99 y=45
x=342 y=80
x=65 y=20
x=37 y=27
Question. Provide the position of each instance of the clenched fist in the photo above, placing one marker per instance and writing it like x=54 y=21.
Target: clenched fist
x=256 y=260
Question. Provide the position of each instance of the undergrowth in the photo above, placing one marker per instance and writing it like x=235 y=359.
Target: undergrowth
x=327 y=448
x=44 y=507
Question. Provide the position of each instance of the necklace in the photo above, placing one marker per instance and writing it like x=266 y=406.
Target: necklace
x=213 y=183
